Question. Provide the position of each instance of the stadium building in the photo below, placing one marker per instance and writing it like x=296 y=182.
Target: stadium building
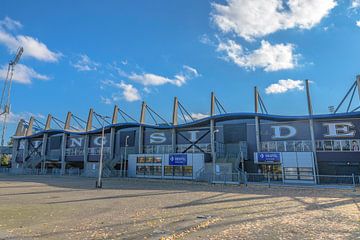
x=296 y=147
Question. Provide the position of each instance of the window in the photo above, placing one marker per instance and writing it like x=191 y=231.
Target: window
x=328 y=145
x=157 y=160
x=290 y=146
x=168 y=170
x=149 y=159
x=298 y=146
x=140 y=159
x=345 y=145
x=149 y=166
x=178 y=171
x=281 y=147
x=301 y=173
x=338 y=145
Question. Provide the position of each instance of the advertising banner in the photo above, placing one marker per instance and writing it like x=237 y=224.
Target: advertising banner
x=74 y=141
x=194 y=136
x=178 y=159
x=273 y=131
x=157 y=137
x=268 y=157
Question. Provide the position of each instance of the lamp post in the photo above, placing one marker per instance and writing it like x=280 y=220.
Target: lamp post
x=125 y=155
x=99 y=181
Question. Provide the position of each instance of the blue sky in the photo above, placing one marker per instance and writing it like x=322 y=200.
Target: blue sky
x=82 y=54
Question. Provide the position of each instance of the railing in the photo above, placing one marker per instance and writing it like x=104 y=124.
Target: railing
x=227 y=178
x=323 y=181
x=4 y=170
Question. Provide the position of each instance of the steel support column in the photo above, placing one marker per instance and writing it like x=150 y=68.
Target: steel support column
x=44 y=144
x=175 y=123
x=257 y=121
x=112 y=132
x=141 y=128
x=63 y=143
x=212 y=132
x=63 y=151
x=358 y=84
x=311 y=124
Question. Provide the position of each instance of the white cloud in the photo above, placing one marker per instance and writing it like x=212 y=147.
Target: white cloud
x=32 y=46
x=192 y=72
x=199 y=115
x=355 y=4
x=106 y=100
x=253 y=19
x=85 y=64
x=282 y=86
x=205 y=39
x=10 y=24
x=150 y=79
x=23 y=74
x=269 y=57
x=358 y=23
x=129 y=92
x=15 y=117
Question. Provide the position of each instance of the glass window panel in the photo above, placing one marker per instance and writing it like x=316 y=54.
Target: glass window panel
x=140 y=170
x=150 y=159
x=281 y=146
x=298 y=146
x=290 y=146
x=157 y=171
x=305 y=169
x=345 y=145
x=337 y=145
x=178 y=171
x=140 y=159
x=307 y=146
x=355 y=145
x=264 y=147
x=272 y=146
x=319 y=145
x=188 y=171
x=328 y=145
x=168 y=170
x=157 y=160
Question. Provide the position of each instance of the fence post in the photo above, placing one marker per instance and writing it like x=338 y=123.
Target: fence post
x=246 y=179
x=353 y=179
x=268 y=177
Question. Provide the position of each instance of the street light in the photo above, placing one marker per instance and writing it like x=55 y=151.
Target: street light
x=125 y=156
x=99 y=181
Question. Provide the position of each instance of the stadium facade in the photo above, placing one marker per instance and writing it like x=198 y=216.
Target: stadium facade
x=298 y=147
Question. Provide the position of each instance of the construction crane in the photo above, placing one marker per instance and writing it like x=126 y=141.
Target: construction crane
x=5 y=96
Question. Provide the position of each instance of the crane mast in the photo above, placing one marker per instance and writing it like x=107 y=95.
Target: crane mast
x=5 y=96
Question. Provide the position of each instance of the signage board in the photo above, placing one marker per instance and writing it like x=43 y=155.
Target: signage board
x=178 y=159
x=268 y=157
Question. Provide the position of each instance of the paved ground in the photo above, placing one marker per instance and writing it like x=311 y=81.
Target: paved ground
x=40 y=207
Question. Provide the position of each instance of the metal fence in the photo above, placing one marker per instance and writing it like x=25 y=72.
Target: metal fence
x=269 y=179
x=4 y=170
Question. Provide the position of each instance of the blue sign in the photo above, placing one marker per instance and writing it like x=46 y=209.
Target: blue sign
x=178 y=159
x=268 y=157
